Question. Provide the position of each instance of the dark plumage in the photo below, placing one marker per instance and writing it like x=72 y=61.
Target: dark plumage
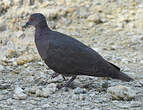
x=68 y=56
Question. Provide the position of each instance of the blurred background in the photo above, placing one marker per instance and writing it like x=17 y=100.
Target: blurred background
x=114 y=28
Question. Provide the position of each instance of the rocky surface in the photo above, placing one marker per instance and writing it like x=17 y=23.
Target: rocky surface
x=114 y=28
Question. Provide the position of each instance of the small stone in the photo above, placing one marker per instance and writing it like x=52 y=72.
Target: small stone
x=137 y=84
x=11 y=53
x=94 y=18
x=120 y=92
x=46 y=92
x=10 y=101
x=2 y=27
x=39 y=93
x=123 y=105
x=1 y=97
x=19 y=94
x=1 y=68
x=33 y=90
x=141 y=82
x=141 y=61
x=82 y=96
x=50 y=89
x=105 y=85
x=24 y=59
x=4 y=86
x=83 y=12
x=20 y=34
x=45 y=4
x=79 y=90
x=46 y=106
x=18 y=2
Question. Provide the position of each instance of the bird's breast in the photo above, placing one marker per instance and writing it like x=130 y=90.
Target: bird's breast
x=42 y=47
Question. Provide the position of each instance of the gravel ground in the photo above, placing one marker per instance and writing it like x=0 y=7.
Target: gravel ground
x=114 y=28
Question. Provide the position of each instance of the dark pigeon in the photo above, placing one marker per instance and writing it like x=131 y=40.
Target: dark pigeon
x=68 y=56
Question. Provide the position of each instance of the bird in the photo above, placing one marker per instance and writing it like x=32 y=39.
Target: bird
x=68 y=56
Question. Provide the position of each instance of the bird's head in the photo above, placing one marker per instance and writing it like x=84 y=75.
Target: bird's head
x=35 y=19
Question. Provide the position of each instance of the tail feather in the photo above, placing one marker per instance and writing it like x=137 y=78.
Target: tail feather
x=122 y=76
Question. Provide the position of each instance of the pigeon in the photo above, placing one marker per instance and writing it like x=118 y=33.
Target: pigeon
x=69 y=57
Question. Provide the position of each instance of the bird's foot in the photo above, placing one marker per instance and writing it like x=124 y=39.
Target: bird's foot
x=67 y=84
x=57 y=74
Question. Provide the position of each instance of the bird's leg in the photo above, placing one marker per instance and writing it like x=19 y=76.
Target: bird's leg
x=67 y=83
x=64 y=78
x=57 y=74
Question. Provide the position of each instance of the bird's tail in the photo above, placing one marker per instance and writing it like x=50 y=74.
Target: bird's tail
x=122 y=76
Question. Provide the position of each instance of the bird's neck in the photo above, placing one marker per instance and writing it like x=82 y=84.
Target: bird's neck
x=40 y=29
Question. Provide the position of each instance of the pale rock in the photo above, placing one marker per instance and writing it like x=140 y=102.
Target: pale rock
x=83 y=12
x=91 y=24
x=18 y=3
x=125 y=60
x=19 y=94
x=33 y=90
x=82 y=96
x=94 y=18
x=50 y=89
x=7 y=51
x=47 y=91
x=79 y=90
x=1 y=68
x=45 y=4
x=2 y=27
x=120 y=92
x=1 y=97
x=141 y=61
x=136 y=104
x=20 y=34
x=74 y=2
x=39 y=93
x=29 y=79
x=25 y=59
x=11 y=53
x=46 y=106
x=10 y=101
x=123 y=106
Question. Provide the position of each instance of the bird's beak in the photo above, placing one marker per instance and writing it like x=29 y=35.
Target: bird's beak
x=26 y=25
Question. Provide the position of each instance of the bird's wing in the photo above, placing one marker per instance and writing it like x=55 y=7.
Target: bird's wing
x=71 y=56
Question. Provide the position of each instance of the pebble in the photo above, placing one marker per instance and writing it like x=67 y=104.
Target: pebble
x=24 y=59
x=2 y=27
x=4 y=86
x=38 y=92
x=1 y=68
x=136 y=104
x=79 y=90
x=33 y=89
x=50 y=89
x=94 y=18
x=20 y=34
x=123 y=105
x=121 y=92
x=47 y=91
x=19 y=94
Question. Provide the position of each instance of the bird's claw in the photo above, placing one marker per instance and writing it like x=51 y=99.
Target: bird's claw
x=57 y=74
